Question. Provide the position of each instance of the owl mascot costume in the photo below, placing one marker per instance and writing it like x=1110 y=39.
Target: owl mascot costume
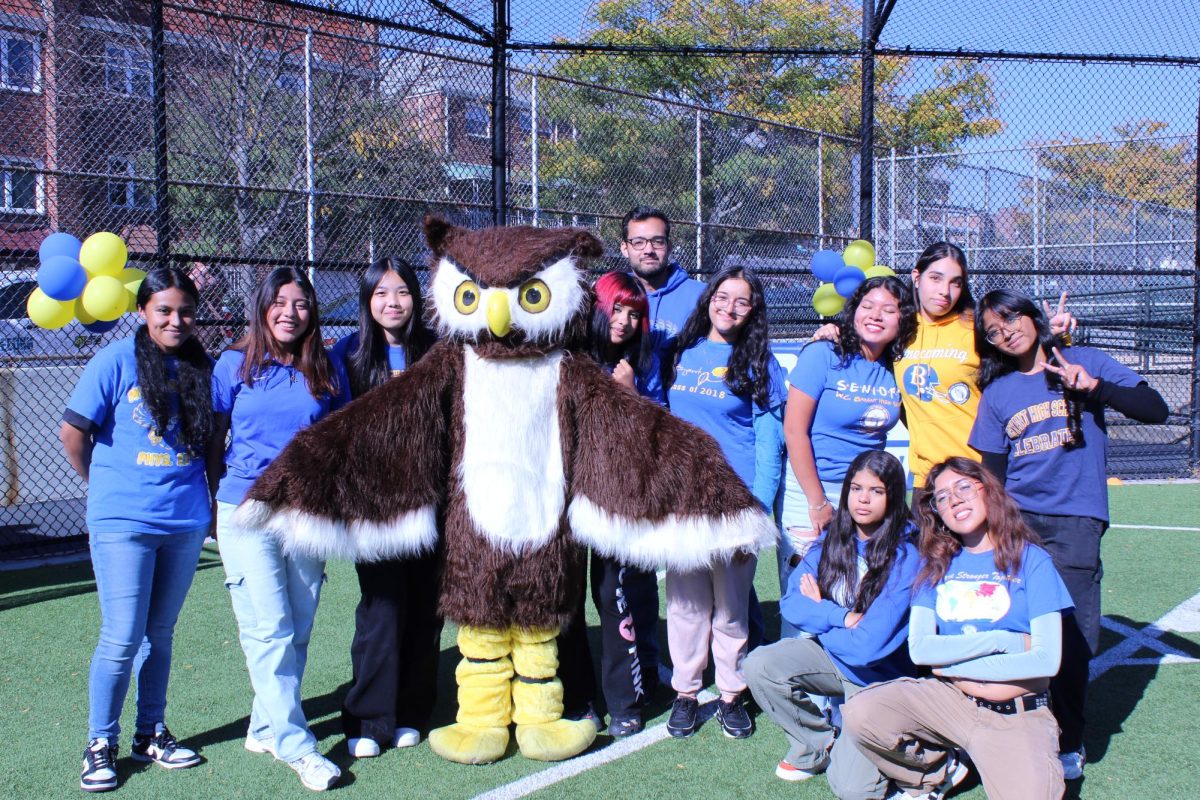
x=515 y=453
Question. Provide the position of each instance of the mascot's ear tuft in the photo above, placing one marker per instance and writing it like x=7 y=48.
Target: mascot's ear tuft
x=438 y=233
x=586 y=245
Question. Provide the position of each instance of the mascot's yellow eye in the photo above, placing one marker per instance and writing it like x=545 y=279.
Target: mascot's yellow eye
x=534 y=296
x=466 y=297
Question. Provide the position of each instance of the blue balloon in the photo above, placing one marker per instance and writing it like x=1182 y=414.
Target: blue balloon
x=825 y=265
x=847 y=280
x=101 y=327
x=59 y=244
x=62 y=278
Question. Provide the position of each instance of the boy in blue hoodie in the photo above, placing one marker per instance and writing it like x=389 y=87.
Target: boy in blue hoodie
x=646 y=242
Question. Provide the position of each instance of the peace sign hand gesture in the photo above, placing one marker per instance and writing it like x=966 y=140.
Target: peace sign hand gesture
x=1061 y=321
x=1073 y=376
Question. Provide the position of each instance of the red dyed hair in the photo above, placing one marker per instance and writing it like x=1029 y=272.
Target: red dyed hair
x=621 y=287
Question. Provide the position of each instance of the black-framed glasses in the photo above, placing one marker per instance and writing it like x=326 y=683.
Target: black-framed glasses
x=640 y=242
x=1008 y=325
x=964 y=489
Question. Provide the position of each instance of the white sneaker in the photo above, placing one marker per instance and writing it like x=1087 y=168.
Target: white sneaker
x=1072 y=764
x=786 y=772
x=316 y=771
x=406 y=737
x=364 y=747
x=255 y=745
x=956 y=772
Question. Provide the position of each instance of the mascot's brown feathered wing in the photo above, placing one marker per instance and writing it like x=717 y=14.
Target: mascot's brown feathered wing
x=517 y=452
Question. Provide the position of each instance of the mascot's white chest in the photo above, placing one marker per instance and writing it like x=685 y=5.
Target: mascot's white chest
x=512 y=468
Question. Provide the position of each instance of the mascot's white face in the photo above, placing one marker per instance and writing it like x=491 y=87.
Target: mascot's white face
x=539 y=304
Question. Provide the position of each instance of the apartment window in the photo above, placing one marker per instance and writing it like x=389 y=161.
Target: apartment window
x=479 y=121
x=22 y=187
x=124 y=191
x=19 y=63
x=127 y=71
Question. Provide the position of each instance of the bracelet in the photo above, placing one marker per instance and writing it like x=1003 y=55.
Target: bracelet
x=823 y=505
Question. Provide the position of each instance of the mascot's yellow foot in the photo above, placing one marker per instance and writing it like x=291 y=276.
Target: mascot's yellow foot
x=468 y=744
x=555 y=741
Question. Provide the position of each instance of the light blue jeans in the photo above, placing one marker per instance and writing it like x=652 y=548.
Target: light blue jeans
x=141 y=580
x=274 y=598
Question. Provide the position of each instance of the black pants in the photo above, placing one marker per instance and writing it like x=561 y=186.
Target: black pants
x=394 y=655
x=1074 y=544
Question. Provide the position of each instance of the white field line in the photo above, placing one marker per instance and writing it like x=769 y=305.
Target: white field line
x=1155 y=528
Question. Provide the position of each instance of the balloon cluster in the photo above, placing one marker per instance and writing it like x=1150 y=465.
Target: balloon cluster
x=84 y=280
x=841 y=273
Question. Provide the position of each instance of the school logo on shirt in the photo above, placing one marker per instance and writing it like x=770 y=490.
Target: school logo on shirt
x=920 y=381
x=965 y=600
x=874 y=418
x=959 y=393
x=166 y=456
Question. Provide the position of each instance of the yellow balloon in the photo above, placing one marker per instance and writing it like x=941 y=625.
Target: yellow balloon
x=826 y=301
x=859 y=253
x=132 y=277
x=103 y=253
x=879 y=271
x=105 y=298
x=46 y=312
x=81 y=313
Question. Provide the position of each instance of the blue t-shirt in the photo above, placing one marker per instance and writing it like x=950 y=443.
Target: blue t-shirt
x=263 y=417
x=648 y=383
x=856 y=406
x=974 y=597
x=345 y=347
x=670 y=308
x=138 y=481
x=1022 y=417
x=877 y=648
x=701 y=396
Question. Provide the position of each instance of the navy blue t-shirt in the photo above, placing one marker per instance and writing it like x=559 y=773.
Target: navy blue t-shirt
x=138 y=481
x=1022 y=417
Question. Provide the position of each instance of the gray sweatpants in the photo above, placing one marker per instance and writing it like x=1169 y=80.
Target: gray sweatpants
x=781 y=676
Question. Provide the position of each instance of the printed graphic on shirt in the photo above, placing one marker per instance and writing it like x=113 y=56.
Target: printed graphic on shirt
x=1040 y=442
x=922 y=381
x=709 y=383
x=166 y=456
x=882 y=403
x=963 y=600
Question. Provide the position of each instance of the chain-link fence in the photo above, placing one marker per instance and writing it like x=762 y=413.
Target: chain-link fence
x=233 y=137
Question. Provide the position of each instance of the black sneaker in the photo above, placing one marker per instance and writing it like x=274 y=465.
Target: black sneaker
x=734 y=719
x=99 y=767
x=161 y=748
x=620 y=727
x=685 y=712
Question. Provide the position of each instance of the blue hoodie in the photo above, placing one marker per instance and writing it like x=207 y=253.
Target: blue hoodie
x=877 y=648
x=670 y=307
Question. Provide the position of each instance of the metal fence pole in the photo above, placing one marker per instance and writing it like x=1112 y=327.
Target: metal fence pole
x=1037 y=255
x=699 y=187
x=533 y=148
x=820 y=192
x=310 y=179
x=1195 y=415
x=892 y=209
x=1134 y=222
x=499 y=112
x=866 y=133
x=162 y=196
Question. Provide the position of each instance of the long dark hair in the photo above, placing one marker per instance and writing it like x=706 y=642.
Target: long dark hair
x=936 y=252
x=368 y=364
x=193 y=369
x=260 y=346
x=748 y=375
x=1006 y=527
x=837 y=570
x=620 y=288
x=849 y=344
x=993 y=364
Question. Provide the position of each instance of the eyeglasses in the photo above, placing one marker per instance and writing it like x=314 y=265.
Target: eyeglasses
x=640 y=242
x=741 y=305
x=963 y=490
x=1007 y=327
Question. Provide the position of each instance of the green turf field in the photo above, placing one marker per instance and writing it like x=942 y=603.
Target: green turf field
x=1143 y=709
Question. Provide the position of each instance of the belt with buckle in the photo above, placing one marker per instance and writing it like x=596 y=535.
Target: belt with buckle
x=1018 y=705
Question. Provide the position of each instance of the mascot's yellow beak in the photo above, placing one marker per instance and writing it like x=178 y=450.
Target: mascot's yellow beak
x=499 y=318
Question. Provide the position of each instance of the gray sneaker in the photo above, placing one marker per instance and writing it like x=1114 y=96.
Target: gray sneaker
x=316 y=771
